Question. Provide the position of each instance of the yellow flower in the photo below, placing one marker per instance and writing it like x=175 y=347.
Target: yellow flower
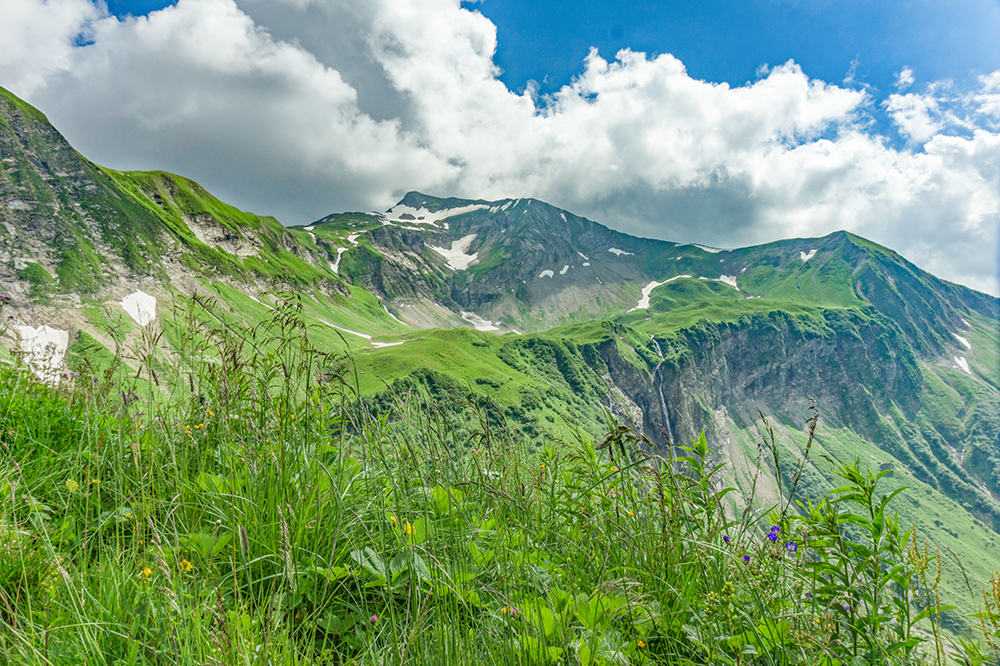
x=187 y=429
x=631 y=515
x=185 y=565
x=543 y=468
x=147 y=572
x=128 y=514
x=408 y=528
x=392 y=519
x=641 y=644
x=291 y=416
x=95 y=480
x=211 y=413
x=72 y=485
x=614 y=469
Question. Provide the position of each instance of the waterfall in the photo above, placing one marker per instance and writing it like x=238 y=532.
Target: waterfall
x=658 y=378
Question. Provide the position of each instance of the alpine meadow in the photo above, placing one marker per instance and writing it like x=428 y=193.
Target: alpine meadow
x=476 y=432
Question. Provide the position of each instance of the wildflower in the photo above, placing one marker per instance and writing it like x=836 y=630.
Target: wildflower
x=147 y=572
x=543 y=468
x=614 y=469
x=392 y=519
x=185 y=565
x=95 y=481
x=847 y=608
x=291 y=416
x=809 y=595
x=772 y=537
x=72 y=485
x=775 y=529
x=128 y=514
x=725 y=537
x=641 y=645
x=373 y=619
x=408 y=528
x=476 y=452
x=791 y=547
x=630 y=514
x=746 y=558
x=211 y=413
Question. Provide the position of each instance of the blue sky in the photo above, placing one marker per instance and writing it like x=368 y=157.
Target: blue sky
x=727 y=41
x=723 y=123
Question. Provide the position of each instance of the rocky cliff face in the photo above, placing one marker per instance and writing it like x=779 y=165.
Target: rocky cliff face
x=859 y=368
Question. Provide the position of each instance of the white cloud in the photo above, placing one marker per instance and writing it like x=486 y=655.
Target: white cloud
x=917 y=116
x=38 y=38
x=304 y=107
x=904 y=79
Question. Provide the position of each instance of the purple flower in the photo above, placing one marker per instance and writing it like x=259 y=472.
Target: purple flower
x=373 y=619
x=775 y=530
x=791 y=546
x=773 y=536
x=847 y=608
x=746 y=558
x=809 y=595
x=725 y=537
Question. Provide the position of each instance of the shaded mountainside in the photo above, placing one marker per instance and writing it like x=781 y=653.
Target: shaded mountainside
x=573 y=319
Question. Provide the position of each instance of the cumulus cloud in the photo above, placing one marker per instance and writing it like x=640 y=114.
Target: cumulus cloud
x=904 y=79
x=304 y=107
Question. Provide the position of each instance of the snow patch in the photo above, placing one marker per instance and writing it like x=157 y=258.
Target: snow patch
x=585 y=257
x=966 y=323
x=966 y=343
x=346 y=330
x=806 y=256
x=392 y=315
x=310 y=228
x=546 y=274
x=404 y=213
x=963 y=364
x=619 y=253
x=586 y=263
x=563 y=216
x=713 y=250
x=730 y=280
x=506 y=206
x=335 y=266
x=257 y=300
x=313 y=236
x=44 y=349
x=564 y=269
x=643 y=303
x=379 y=345
x=479 y=323
x=353 y=239
x=457 y=257
x=140 y=306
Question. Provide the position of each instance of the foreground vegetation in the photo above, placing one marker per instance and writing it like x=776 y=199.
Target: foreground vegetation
x=261 y=513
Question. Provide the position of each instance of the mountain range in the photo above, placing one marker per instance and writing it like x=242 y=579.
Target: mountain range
x=548 y=318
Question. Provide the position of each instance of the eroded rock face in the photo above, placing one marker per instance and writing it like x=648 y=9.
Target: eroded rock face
x=861 y=372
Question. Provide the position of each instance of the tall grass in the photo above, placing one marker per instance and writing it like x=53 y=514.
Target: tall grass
x=258 y=513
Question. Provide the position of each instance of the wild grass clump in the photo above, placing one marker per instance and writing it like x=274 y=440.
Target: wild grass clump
x=258 y=514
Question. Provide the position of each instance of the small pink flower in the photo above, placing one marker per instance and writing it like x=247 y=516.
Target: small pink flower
x=373 y=619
